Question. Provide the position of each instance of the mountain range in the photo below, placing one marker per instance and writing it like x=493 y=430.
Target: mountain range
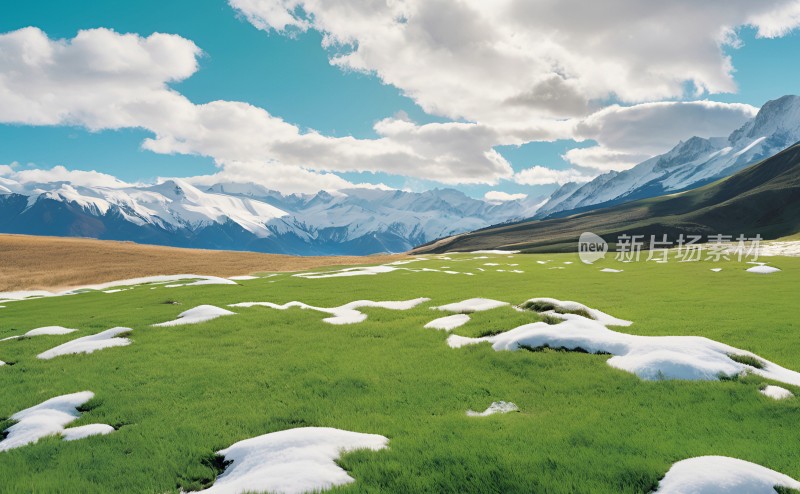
x=692 y=163
x=763 y=199
x=249 y=217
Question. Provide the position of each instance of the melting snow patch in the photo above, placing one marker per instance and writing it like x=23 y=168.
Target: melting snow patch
x=344 y=314
x=243 y=277
x=499 y=252
x=496 y=407
x=50 y=418
x=649 y=357
x=570 y=306
x=472 y=305
x=201 y=313
x=716 y=270
x=47 y=330
x=722 y=475
x=202 y=280
x=89 y=344
x=291 y=461
x=448 y=323
x=776 y=392
x=76 y=433
x=762 y=269
x=610 y=270
x=490 y=264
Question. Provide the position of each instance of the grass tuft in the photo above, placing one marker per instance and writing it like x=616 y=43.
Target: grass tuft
x=746 y=360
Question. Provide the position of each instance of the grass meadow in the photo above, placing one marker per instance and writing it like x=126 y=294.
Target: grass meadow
x=179 y=394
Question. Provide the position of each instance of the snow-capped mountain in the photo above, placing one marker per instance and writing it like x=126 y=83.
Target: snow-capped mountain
x=692 y=163
x=248 y=216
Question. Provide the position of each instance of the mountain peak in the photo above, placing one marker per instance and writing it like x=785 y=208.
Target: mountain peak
x=779 y=116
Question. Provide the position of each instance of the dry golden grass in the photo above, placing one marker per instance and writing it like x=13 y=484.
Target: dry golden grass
x=49 y=263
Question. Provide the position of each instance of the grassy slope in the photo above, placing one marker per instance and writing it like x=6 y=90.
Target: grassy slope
x=763 y=198
x=182 y=393
x=30 y=262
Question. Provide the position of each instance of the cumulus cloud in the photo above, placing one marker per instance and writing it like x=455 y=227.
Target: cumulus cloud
x=105 y=80
x=540 y=175
x=628 y=135
x=498 y=197
x=513 y=60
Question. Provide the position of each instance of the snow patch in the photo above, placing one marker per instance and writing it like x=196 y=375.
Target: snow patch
x=201 y=313
x=496 y=407
x=499 y=252
x=49 y=418
x=293 y=461
x=762 y=269
x=344 y=314
x=648 y=357
x=75 y=433
x=716 y=270
x=570 y=306
x=610 y=270
x=448 y=323
x=244 y=277
x=45 y=331
x=89 y=344
x=471 y=305
x=776 y=392
x=202 y=280
x=722 y=475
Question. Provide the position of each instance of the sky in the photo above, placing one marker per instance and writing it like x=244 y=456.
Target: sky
x=508 y=97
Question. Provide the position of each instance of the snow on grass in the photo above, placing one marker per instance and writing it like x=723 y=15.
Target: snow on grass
x=471 y=305
x=370 y=271
x=75 y=433
x=716 y=270
x=50 y=418
x=47 y=330
x=610 y=270
x=776 y=392
x=570 y=306
x=448 y=323
x=499 y=252
x=244 y=277
x=89 y=344
x=762 y=269
x=201 y=313
x=648 y=357
x=201 y=280
x=344 y=314
x=722 y=475
x=490 y=264
x=293 y=461
x=496 y=407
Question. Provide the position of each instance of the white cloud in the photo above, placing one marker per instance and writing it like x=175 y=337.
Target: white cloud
x=628 y=135
x=515 y=60
x=540 y=175
x=498 y=196
x=284 y=178
x=101 y=79
x=61 y=174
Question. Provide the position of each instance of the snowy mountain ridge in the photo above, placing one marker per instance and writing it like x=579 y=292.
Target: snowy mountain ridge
x=691 y=163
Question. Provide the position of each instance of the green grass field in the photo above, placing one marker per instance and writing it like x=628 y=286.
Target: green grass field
x=179 y=394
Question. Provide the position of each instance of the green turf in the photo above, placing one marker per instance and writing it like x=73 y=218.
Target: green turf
x=179 y=394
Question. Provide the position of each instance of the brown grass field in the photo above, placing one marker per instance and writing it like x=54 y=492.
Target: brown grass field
x=55 y=263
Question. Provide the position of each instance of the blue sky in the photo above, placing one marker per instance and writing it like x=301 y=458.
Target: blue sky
x=292 y=78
